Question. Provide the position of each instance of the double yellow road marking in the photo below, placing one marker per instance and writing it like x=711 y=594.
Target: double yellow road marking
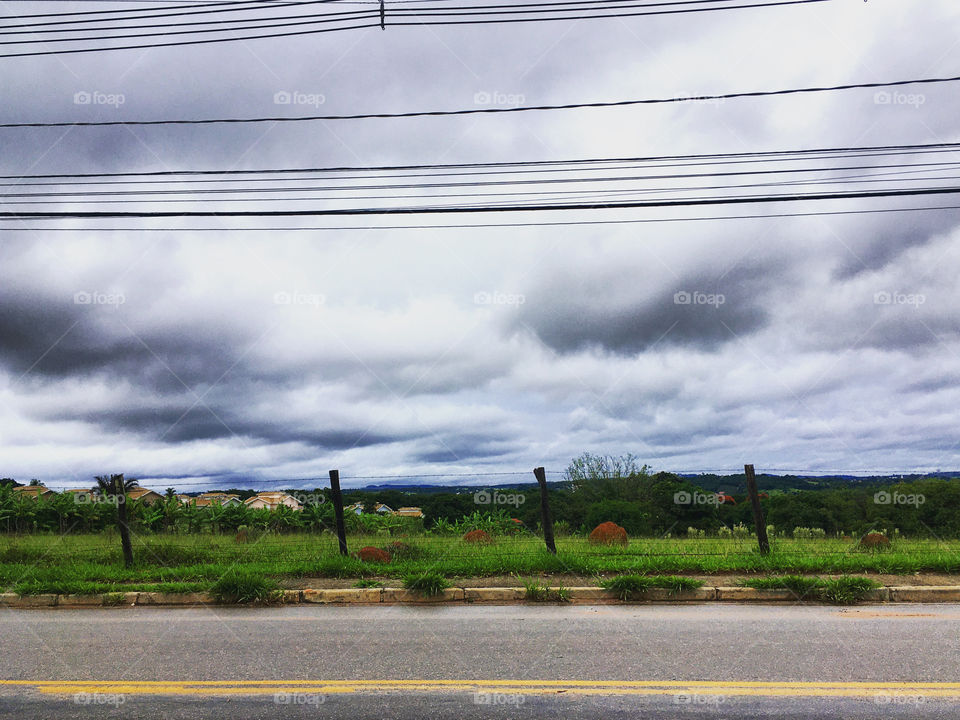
x=727 y=688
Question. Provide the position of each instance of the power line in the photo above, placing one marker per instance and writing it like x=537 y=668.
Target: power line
x=420 y=16
x=495 y=110
x=454 y=209
x=465 y=226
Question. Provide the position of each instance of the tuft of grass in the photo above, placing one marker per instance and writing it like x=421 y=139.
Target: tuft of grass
x=538 y=592
x=112 y=599
x=239 y=585
x=427 y=584
x=367 y=583
x=627 y=587
x=677 y=584
x=847 y=590
x=800 y=585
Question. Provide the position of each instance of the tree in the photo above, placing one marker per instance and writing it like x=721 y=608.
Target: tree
x=607 y=477
x=116 y=486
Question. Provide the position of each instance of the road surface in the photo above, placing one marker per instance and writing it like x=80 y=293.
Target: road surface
x=649 y=661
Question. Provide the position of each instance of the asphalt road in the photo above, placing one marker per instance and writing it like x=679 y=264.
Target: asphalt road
x=654 y=661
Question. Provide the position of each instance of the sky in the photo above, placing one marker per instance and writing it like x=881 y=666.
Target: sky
x=245 y=354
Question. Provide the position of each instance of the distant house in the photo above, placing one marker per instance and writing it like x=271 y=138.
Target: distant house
x=413 y=512
x=144 y=495
x=185 y=499
x=82 y=495
x=215 y=498
x=33 y=491
x=379 y=508
x=272 y=500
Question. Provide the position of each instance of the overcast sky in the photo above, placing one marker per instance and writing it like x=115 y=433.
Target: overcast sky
x=390 y=359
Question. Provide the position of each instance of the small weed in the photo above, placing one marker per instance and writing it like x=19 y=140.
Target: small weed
x=627 y=587
x=243 y=586
x=847 y=590
x=367 y=583
x=538 y=592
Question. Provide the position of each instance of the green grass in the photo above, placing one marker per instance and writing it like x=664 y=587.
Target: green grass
x=47 y=563
x=367 y=583
x=243 y=586
x=536 y=591
x=628 y=587
x=844 y=590
x=428 y=584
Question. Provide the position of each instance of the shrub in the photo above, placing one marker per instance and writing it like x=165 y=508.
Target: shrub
x=627 y=586
x=244 y=586
x=428 y=584
x=477 y=536
x=874 y=541
x=404 y=551
x=608 y=533
x=805 y=533
x=740 y=531
x=373 y=554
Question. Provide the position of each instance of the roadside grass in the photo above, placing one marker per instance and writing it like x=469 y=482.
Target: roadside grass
x=844 y=590
x=627 y=587
x=537 y=591
x=240 y=585
x=427 y=584
x=48 y=563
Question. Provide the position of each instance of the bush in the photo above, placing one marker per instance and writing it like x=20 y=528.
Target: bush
x=243 y=586
x=428 y=584
x=477 y=536
x=608 y=533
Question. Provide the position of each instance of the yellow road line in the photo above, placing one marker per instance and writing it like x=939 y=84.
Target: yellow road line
x=524 y=687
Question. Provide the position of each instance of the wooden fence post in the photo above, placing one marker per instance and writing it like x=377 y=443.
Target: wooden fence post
x=338 y=510
x=758 y=520
x=545 y=520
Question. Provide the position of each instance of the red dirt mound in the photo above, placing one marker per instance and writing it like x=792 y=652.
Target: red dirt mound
x=873 y=541
x=373 y=554
x=608 y=533
x=478 y=536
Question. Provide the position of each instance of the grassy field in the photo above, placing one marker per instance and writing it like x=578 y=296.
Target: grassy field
x=186 y=563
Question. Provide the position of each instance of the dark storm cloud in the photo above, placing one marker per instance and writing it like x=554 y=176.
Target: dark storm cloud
x=700 y=310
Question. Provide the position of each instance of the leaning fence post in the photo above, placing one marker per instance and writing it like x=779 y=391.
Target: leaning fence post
x=757 y=510
x=338 y=510
x=545 y=520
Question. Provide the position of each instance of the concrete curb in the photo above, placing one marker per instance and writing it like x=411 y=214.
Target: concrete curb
x=487 y=595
